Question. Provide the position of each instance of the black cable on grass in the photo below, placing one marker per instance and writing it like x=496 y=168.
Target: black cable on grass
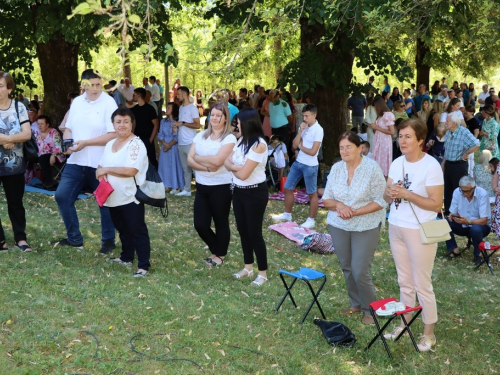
x=258 y=353
x=160 y=358
x=87 y=333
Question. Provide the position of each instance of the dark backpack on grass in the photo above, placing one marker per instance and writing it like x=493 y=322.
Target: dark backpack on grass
x=336 y=334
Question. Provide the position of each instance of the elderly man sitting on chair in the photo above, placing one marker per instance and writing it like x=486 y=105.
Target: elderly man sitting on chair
x=470 y=215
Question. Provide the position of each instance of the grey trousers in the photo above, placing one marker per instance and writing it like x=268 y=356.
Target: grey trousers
x=188 y=172
x=355 y=251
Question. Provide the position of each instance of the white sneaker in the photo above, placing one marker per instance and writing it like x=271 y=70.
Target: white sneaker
x=309 y=223
x=175 y=191
x=183 y=193
x=285 y=216
x=426 y=343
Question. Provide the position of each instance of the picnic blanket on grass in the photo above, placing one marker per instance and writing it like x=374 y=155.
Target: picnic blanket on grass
x=314 y=241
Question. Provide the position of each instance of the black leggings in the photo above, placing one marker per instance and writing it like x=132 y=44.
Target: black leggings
x=13 y=186
x=213 y=202
x=249 y=206
x=129 y=222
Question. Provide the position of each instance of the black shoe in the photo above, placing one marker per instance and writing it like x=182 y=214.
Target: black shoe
x=65 y=242
x=107 y=247
x=477 y=260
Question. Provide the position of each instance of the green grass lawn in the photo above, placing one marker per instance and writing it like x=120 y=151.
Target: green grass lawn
x=56 y=302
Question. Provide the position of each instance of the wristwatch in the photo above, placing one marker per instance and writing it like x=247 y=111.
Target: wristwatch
x=183 y=122
x=470 y=222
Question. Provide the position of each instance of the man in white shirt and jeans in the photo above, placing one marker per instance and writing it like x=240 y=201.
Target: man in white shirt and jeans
x=308 y=140
x=89 y=128
x=189 y=122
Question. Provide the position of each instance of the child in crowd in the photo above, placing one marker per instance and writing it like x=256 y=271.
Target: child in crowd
x=435 y=142
x=399 y=110
x=277 y=150
x=363 y=134
x=366 y=149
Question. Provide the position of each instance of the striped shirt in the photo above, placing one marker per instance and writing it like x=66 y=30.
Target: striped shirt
x=456 y=143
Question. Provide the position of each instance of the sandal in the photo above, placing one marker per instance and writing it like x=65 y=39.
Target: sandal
x=453 y=255
x=212 y=263
x=259 y=281
x=24 y=248
x=247 y=273
x=3 y=246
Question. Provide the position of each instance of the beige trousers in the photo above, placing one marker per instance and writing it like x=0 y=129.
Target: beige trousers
x=414 y=263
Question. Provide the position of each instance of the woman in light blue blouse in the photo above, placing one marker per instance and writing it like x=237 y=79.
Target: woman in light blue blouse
x=354 y=198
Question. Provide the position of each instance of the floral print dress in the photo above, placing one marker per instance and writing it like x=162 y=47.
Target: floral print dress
x=382 y=143
x=51 y=144
x=490 y=143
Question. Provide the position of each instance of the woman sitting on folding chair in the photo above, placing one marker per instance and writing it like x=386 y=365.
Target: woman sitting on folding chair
x=49 y=150
x=354 y=198
x=422 y=174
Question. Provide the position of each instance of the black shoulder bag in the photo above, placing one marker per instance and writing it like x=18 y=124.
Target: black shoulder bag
x=30 y=147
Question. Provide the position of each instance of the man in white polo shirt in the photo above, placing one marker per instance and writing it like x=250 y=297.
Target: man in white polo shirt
x=88 y=129
x=308 y=140
x=189 y=122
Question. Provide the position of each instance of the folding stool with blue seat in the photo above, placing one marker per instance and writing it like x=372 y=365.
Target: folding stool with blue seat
x=304 y=274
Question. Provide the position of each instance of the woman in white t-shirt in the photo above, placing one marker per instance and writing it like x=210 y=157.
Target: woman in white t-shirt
x=124 y=165
x=415 y=192
x=247 y=163
x=207 y=154
x=453 y=108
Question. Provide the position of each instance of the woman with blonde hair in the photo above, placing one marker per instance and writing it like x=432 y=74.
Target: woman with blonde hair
x=212 y=201
x=434 y=115
x=424 y=113
x=399 y=110
x=489 y=131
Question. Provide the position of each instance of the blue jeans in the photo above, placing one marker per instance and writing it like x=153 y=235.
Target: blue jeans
x=74 y=178
x=300 y=170
x=476 y=232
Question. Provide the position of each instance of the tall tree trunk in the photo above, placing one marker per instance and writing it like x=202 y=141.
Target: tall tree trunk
x=127 y=72
x=423 y=70
x=59 y=69
x=331 y=98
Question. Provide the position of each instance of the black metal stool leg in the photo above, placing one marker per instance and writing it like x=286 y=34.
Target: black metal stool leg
x=288 y=292
x=380 y=332
x=407 y=327
x=315 y=299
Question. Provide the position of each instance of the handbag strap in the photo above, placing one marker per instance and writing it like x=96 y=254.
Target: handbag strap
x=416 y=217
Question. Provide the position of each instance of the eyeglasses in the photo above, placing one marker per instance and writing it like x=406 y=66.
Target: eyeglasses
x=466 y=192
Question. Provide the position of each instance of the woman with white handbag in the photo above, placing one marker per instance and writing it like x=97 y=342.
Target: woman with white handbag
x=415 y=192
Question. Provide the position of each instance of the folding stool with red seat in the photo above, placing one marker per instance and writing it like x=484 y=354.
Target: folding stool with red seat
x=486 y=256
x=374 y=306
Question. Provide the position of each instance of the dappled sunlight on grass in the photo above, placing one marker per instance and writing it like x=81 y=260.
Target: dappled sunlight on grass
x=53 y=296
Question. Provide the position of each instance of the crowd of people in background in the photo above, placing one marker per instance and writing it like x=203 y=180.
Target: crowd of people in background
x=408 y=151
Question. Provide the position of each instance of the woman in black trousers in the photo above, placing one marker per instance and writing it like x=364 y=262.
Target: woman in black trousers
x=207 y=154
x=250 y=195
x=14 y=131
